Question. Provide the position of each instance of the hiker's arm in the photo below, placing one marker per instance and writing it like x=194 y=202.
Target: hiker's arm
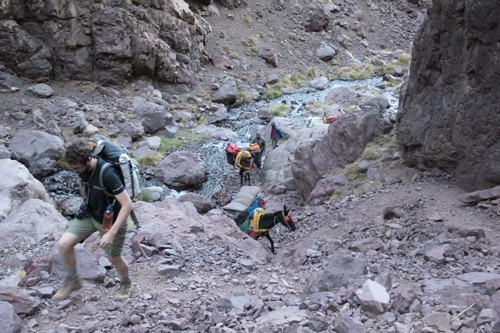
x=126 y=204
x=126 y=208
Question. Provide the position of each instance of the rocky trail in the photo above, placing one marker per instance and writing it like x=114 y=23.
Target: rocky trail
x=391 y=249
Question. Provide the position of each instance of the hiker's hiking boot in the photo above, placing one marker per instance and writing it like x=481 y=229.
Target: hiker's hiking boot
x=124 y=291
x=70 y=284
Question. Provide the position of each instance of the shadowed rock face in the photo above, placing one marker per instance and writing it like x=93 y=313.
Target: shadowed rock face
x=449 y=114
x=107 y=42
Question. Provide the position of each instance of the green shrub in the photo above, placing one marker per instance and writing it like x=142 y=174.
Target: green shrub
x=404 y=59
x=297 y=80
x=293 y=36
x=146 y=197
x=271 y=94
x=370 y=153
x=244 y=97
x=351 y=171
x=150 y=160
x=278 y=110
x=251 y=41
x=70 y=44
x=312 y=73
x=248 y=19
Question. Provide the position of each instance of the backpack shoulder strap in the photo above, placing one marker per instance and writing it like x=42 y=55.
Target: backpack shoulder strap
x=104 y=167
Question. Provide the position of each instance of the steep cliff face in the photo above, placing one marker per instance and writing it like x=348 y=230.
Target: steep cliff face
x=106 y=41
x=449 y=114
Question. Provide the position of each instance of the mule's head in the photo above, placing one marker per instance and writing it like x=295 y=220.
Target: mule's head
x=287 y=219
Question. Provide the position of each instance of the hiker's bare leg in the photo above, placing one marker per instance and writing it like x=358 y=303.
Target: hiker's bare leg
x=72 y=282
x=67 y=245
x=126 y=286
x=120 y=264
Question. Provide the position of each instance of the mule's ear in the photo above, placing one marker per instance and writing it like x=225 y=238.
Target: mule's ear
x=286 y=210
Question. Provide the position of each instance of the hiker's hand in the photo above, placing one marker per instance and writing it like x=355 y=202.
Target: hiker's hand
x=106 y=240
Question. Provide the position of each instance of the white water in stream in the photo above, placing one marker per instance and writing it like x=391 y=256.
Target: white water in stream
x=213 y=150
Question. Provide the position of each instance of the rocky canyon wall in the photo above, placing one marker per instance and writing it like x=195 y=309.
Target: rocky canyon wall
x=106 y=41
x=449 y=112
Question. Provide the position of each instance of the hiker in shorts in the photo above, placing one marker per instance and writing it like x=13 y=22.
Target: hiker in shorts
x=89 y=219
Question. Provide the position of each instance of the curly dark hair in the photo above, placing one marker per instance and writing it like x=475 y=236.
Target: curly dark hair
x=78 y=152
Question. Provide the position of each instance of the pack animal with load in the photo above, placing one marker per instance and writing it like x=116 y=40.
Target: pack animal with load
x=247 y=210
x=244 y=162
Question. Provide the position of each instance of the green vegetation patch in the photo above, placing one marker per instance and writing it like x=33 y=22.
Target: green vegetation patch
x=244 y=97
x=248 y=19
x=351 y=171
x=168 y=145
x=297 y=80
x=271 y=94
x=70 y=44
x=370 y=153
x=279 y=110
x=150 y=160
x=146 y=197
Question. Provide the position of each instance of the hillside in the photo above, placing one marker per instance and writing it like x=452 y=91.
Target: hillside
x=436 y=258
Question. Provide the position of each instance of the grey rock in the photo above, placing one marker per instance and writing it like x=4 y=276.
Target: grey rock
x=11 y=323
x=181 y=170
x=42 y=90
x=41 y=155
x=460 y=137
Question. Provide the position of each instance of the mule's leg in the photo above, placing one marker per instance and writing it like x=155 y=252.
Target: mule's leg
x=241 y=177
x=272 y=243
x=248 y=178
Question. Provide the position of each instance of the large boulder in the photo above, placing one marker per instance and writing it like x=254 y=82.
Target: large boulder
x=153 y=116
x=30 y=223
x=181 y=170
x=17 y=185
x=38 y=150
x=449 y=112
x=278 y=162
x=344 y=143
x=226 y=94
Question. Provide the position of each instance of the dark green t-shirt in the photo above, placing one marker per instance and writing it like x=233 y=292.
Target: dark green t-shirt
x=97 y=199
